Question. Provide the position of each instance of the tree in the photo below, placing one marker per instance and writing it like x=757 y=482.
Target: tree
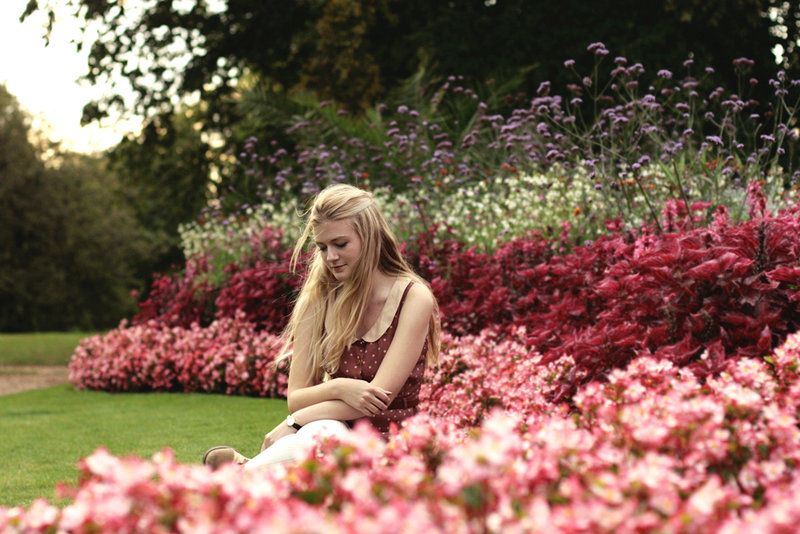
x=164 y=173
x=68 y=241
x=356 y=51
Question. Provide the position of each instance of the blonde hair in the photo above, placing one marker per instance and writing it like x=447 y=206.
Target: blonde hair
x=379 y=249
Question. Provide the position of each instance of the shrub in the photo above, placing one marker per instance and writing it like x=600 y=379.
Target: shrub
x=179 y=299
x=229 y=356
x=731 y=288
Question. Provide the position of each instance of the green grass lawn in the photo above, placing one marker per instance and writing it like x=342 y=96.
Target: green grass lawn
x=39 y=348
x=44 y=432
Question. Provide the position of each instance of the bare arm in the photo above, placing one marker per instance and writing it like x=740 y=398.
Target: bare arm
x=308 y=396
x=332 y=409
x=404 y=352
x=400 y=359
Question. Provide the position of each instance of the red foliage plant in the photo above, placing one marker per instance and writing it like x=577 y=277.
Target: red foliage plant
x=263 y=292
x=264 y=288
x=724 y=290
x=179 y=299
x=261 y=286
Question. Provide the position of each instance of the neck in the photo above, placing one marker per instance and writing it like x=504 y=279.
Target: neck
x=381 y=284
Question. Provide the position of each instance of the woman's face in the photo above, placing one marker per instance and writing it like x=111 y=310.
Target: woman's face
x=339 y=246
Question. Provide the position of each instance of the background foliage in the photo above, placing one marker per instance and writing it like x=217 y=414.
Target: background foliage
x=218 y=81
x=68 y=240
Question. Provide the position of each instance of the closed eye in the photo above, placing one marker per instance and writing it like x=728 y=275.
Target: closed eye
x=335 y=245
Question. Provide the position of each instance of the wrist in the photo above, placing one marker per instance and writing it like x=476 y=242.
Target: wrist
x=299 y=417
x=292 y=423
x=336 y=388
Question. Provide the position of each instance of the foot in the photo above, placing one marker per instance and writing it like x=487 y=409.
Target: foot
x=216 y=456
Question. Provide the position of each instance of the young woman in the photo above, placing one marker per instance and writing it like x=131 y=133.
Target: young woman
x=362 y=331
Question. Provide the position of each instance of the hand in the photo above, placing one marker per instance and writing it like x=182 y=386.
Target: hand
x=364 y=397
x=277 y=433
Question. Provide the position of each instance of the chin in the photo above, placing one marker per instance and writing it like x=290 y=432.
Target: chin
x=339 y=275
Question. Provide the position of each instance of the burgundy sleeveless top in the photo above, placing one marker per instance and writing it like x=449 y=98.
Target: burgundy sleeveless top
x=363 y=358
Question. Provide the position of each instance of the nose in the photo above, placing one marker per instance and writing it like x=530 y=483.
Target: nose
x=330 y=255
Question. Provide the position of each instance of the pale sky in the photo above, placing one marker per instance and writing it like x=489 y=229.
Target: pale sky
x=44 y=80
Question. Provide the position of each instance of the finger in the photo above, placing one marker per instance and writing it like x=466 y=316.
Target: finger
x=378 y=405
x=382 y=394
x=381 y=404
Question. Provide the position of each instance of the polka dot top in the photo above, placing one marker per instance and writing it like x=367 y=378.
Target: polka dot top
x=364 y=356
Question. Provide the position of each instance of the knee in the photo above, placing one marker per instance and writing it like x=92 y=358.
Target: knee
x=324 y=427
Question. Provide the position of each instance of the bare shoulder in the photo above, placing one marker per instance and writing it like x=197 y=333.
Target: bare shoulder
x=420 y=299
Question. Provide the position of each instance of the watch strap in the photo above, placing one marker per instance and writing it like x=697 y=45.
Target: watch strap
x=292 y=423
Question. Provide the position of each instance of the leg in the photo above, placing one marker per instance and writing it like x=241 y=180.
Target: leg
x=292 y=447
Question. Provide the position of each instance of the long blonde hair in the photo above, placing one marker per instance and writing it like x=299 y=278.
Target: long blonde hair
x=379 y=248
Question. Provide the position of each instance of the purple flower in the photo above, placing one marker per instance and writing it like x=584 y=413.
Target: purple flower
x=598 y=49
x=544 y=89
x=714 y=139
x=569 y=63
x=664 y=73
x=636 y=69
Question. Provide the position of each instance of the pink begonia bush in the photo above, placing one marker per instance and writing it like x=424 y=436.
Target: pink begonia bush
x=229 y=356
x=650 y=448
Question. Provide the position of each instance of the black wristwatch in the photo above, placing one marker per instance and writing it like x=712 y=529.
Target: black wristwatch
x=292 y=423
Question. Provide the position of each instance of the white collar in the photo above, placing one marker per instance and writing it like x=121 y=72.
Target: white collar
x=386 y=316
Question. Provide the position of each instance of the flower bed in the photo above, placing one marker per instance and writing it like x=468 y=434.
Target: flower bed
x=229 y=356
x=733 y=289
x=653 y=447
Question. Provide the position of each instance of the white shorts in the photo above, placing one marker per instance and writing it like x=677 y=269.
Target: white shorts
x=294 y=446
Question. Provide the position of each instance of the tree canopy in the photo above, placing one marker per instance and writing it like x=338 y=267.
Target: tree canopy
x=68 y=241
x=356 y=51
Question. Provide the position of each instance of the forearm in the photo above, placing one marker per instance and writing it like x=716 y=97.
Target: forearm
x=304 y=397
x=333 y=409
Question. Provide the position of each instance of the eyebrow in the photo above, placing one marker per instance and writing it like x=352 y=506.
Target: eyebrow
x=334 y=239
